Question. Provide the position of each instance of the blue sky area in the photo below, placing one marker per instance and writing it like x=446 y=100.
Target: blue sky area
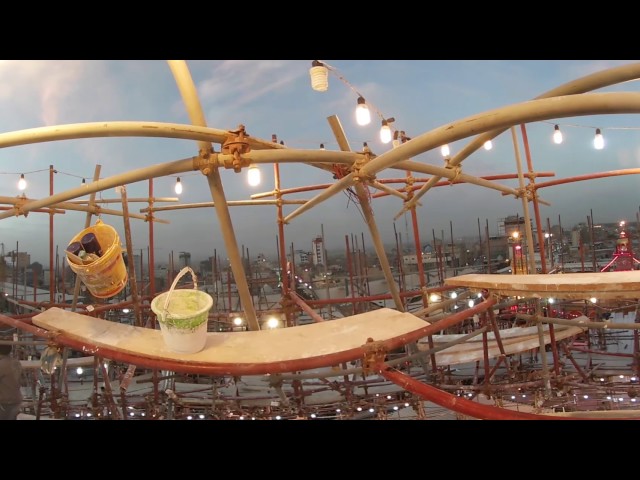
x=275 y=97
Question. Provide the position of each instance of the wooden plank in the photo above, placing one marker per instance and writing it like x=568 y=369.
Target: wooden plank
x=237 y=348
x=512 y=342
x=602 y=285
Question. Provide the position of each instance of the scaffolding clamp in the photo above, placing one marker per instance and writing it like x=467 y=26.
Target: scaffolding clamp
x=356 y=168
x=236 y=145
x=409 y=182
x=205 y=162
x=374 y=355
x=21 y=200
x=456 y=168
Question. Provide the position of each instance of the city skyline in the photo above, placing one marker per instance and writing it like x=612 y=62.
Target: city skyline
x=273 y=97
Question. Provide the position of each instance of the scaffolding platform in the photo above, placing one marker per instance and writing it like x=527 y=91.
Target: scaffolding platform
x=275 y=350
x=622 y=285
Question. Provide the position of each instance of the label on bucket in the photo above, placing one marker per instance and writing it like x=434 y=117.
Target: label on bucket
x=182 y=340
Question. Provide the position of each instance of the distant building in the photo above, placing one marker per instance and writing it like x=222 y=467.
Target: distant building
x=184 y=259
x=19 y=260
x=318 y=251
x=302 y=257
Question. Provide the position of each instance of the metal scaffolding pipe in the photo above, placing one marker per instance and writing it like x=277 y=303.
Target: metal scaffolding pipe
x=459 y=404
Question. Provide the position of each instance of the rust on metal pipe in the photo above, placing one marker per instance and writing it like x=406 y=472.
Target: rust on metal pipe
x=459 y=404
x=306 y=308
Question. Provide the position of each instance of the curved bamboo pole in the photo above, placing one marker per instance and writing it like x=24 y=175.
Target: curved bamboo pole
x=504 y=117
x=74 y=131
x=585 y=84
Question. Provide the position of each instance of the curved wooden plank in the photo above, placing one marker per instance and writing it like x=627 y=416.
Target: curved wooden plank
x=323 y=340
x=515 y=340
x=602 y=285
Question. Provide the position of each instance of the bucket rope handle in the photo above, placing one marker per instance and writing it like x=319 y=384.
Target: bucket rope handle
x=182 y=273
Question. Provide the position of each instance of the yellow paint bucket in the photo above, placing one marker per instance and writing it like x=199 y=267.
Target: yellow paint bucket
x=183 y=316
x=107 y=275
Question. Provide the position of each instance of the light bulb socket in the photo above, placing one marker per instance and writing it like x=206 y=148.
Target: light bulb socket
x=361 y=101
x=322 y=146
x=556 y=128
x=317 y=63
x=598 y=132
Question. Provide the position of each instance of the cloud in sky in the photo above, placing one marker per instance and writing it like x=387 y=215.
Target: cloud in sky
x=275 y=97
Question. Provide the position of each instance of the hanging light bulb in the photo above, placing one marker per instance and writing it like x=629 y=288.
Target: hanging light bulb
x=444 y=150
x=488 y=145
x=253 y=176
x=319 y=76
x=385 y=132
x=557 y=135
x=363 y=116
x=178 y=187
x=598 y=141
x=22 y=183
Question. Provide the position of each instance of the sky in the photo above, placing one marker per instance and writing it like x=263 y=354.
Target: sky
x=275 y=97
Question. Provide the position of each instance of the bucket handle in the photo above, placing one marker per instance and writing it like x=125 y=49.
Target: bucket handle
x=182 y=273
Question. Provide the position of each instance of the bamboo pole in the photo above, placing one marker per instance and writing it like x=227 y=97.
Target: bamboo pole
x=367 y=211
x=190 y=98
x=87 y=223
x=130 y=262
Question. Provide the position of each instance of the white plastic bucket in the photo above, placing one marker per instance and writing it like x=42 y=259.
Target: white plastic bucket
x=182 y=315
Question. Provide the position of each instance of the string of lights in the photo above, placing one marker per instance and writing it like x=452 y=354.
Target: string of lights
x=319 y=82
x=319 y=73
x=22 y=182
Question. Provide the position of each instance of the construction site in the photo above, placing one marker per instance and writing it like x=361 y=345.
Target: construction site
x=547 y=333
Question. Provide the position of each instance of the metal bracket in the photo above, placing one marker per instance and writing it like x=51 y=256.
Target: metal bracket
x=236 y=145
